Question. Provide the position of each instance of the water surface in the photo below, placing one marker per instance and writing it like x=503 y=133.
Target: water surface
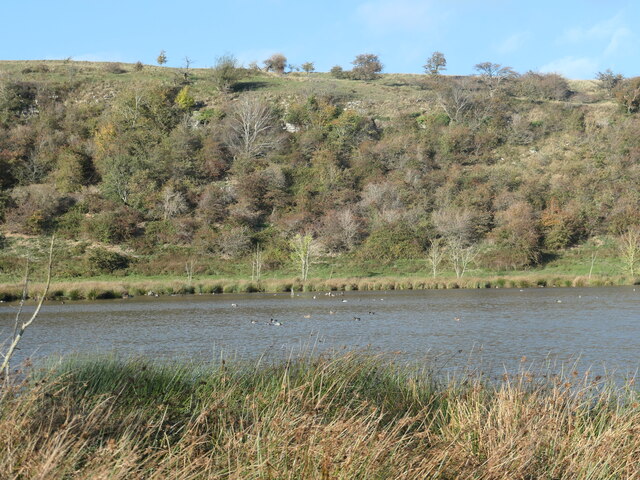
x=497 y=329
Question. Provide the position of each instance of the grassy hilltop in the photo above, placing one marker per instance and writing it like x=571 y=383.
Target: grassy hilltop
x=153 y=172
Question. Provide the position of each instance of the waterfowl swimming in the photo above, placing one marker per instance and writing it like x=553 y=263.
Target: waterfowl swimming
x=274 y=323
x=234 y=304
x=307 y=316
x=357 y=319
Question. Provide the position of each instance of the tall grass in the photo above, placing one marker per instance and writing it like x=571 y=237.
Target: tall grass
x=93 y=289
x=352 y=416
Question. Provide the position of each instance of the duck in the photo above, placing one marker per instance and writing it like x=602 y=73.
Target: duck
x=274 y=323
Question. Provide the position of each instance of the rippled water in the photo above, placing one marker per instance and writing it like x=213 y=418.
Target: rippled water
x=451 y=328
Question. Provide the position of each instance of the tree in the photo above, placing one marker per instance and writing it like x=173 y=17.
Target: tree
x=627 y=94
x=173 y=203
x=250 y=128
x=435 y=64
x=494 y=74
x=276 y=63
x=629 y=246
x=457 y=100
x=337 y=72
x=609 y=80
x=366 y=66
x=184 y=99
x=256 y=264
x=461 y=255
x=436 y=254
x=162 y=58
x=302 y=249
x=18 y=332
x=308 y=67
x=226 y=73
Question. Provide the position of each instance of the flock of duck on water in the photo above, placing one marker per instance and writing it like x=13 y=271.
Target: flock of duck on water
x=277 y=323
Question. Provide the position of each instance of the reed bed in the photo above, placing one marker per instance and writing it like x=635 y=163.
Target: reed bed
x=348 y=416
x=95 y=290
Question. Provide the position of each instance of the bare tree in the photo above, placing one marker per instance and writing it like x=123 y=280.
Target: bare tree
x=494 y=74
x=436 y=254
x=256 y=264
x=461 y=255
x=349 y=228
x=456 y=99
x=454 y=223
x=189 y=267
x=629 y=246
x=250 y=130
x=18 y=332
x=173 y=203
x=303 y=248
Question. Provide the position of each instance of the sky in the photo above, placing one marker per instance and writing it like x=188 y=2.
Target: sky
x=576 y=38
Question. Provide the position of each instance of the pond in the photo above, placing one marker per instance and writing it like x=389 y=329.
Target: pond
x=494 y=329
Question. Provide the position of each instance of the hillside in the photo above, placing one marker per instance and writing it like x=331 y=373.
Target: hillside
x=145 y=170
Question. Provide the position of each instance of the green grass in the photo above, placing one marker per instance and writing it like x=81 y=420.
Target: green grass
x=353 y=415
x=569 y=268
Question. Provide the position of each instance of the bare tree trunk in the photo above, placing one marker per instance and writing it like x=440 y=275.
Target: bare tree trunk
x=20 y=332
x=436 y=255
x=189 y=267
x=256 y=266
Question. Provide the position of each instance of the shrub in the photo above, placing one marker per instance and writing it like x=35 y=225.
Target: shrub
x=226 y=73
x=114 y=67
x=391 y=242
x=106 y=261
x=337 y=72
x=113 y=227
x=541 y=86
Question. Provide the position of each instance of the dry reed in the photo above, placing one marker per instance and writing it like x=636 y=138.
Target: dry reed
x=352 y=416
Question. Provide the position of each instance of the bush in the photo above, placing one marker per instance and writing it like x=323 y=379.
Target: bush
x=391 y=242
x=549 y=86
x=106 y=261
x=113 y=227
x=114 y=67
x=338 y=72
x=226 y=73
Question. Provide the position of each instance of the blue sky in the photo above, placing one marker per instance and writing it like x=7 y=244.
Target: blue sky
x=576 y=38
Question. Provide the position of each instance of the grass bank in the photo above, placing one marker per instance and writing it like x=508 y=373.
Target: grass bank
x=352 y=416
x=117 y=287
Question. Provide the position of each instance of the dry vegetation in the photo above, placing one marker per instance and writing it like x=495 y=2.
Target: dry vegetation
x=141 y=169
x=350 y=416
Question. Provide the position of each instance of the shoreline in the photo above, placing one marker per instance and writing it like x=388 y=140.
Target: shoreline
x=92 y=289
